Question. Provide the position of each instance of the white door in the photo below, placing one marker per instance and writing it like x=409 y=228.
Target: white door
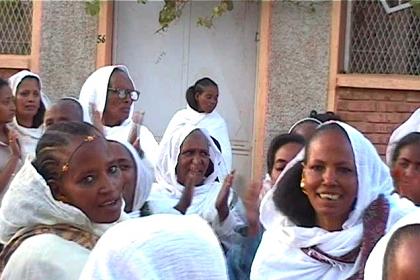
x=163 y=65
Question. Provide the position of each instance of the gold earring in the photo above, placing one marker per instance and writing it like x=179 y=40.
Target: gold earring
x=302 y=185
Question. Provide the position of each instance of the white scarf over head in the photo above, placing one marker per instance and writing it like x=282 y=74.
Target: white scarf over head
x=410 y=125
x=279 y=255
x=212 y=122
x=94 y=91
x=167 y=191
x=157 y=247
x=28 y=137
x=29 y=202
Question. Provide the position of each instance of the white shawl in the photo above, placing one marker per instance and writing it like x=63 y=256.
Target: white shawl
x=28 y=202
x=212 y=122
x=28 y=137
x=167 y=191
x=279 y=255
x=157 y=247
x=95 y=89
x=410 y=125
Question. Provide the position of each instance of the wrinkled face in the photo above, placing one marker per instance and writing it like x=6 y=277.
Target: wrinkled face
x=128 y=172
x=116 y=109
x=93 y=181
x=207 y=100
x=193 y=159
x=7 y=105
x=283 y=155
x=330 y=177
x=28 y=97
x=406 y=172
x=62 y=113
x=405 y=265
x=305 y=129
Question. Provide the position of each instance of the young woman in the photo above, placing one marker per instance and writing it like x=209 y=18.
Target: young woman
x=31 y=104
x=186 y=172
x=110 y=93
x=202 y=99
x=58 y=206
x=328 y=211
x=10 y=153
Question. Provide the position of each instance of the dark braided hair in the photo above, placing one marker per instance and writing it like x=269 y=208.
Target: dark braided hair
x=3 y=83
x=277 y=142
x=199 y=87
x=51 y=147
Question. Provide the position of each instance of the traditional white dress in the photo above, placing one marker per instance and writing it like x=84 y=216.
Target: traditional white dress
x=28 y=137
x=95 y=89
x=158 y=247
x=27 y=203
x=280 y=255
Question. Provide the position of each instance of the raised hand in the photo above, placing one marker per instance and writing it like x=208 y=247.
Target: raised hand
x=14 y=145
x=251 y=202
x=187 y=195
x=96 y=117
x=222 y=202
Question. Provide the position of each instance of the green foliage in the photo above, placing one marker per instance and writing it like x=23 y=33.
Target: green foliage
x=92 y=7
x=416 y=6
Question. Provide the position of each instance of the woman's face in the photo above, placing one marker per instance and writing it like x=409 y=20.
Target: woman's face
x=207 y=100
x=93 y=181
x=330 y=178
x=193 y=159
x=128 y=172
x=116 y=109
x=406 y=172
x=28 y=97
x=7 y=105
x=282 y=157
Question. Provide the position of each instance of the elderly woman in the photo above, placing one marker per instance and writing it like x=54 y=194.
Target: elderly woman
x=31 y=104
x=202 y=98
x=110 y=93
x=186 y=172
x=328 y=211
x=57 y=207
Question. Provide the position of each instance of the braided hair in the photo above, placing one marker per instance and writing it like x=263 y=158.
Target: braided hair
x=199 y=87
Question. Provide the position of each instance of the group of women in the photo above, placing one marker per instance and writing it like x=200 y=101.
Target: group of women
x=78 y=178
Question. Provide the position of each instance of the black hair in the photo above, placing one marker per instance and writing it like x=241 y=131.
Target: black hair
x=288 y=196
x=65 y=100
x=323 y=117
x=277 y=142
x=3 y=83
x=409 y=139
x=38 y=119
x=48 y=158
x=199 y=87
x=397 y=239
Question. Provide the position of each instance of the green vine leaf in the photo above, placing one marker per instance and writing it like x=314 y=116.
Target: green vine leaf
x=416 y=6
x=93 y=7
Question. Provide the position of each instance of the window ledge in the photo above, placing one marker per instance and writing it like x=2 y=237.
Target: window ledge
x=379 y=81
x=15 y=61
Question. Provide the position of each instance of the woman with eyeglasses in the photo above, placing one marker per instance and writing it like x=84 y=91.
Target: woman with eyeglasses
x=110 y=93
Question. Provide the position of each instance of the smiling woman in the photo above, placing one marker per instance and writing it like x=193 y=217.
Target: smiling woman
x=328 y=210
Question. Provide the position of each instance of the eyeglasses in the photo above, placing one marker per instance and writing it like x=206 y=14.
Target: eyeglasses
x=122 y=93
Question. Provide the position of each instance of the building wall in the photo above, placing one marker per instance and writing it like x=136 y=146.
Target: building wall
x=299 y=63
x=376 y=113
x=68 y=47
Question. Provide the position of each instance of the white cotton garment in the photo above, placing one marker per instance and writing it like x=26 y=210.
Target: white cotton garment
x=213 y=122
x=410 y=125
x=279 y=255
x=158 y=247
x=29 y=202
x=95 y=89
x=28 y=137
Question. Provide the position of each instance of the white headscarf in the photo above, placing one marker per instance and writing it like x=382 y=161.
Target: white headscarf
x=29 y=202
x=144 y=178
x=279 y=255
x=95 y=89
x=167 y=190
x=212 y=122
x=303 y=121
x=157 y=247
x=28 y=137
x=410 y=125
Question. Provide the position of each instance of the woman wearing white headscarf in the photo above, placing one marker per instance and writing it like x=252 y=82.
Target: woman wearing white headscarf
x=157 y=247
x=110 y=91
x=172 y=193
x=31 y=104
x=324 y=217
x=202 y=99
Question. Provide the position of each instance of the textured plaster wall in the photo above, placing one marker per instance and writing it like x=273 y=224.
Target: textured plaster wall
x=299 y=63
x=68 y=47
